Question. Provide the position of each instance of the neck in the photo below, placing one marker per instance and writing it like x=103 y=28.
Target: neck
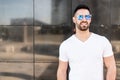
x=83 y=35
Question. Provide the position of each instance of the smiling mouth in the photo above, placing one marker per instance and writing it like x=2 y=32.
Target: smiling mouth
x=84 y=23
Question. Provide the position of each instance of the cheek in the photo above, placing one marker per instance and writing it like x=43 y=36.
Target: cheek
x=89 y=21
x=78 y=21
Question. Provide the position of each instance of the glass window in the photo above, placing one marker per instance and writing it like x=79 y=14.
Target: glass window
x=32 y=30
x=14 y=12
x=115 y=20
x=16 y=71
x=16 y=30
x=115 y=32
x=52 y=25
x=52 y=12
x=16 y=43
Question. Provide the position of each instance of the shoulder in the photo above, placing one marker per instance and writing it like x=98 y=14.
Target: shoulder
x=99 y=37
x=67 y=41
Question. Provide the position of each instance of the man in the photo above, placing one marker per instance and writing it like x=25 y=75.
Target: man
x=85 y=52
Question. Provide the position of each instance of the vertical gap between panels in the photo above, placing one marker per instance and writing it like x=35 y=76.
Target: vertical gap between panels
x=33 y=40
x=110 y=18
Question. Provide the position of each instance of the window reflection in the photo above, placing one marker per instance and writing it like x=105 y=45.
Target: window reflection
x=16 y=71
x=50 y=20
x=15 y=9
x=52 y=26
x=115 y=32
x=53 y=12
x=115 y=20
x=15 y=42
x=115 y=26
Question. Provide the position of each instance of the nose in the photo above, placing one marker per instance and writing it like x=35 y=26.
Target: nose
x=84 y=19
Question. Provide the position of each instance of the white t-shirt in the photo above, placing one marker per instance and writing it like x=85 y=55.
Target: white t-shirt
x=85 y=58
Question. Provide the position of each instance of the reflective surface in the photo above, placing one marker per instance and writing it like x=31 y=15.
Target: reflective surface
x=45 y=71
x=12 y=12
x=115 y=32
x=16 y=42
x=16 y=71
x=52 y=24
x=32 y=30
x=53 y=12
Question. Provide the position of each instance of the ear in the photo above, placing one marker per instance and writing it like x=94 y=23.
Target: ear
x=74 y=20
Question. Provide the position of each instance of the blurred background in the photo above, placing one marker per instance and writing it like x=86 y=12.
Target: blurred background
x=32 y=30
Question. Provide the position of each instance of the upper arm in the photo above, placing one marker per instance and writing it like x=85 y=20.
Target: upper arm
x=111 y=68
x=62 y=70
x=62 y=66
x=109 y=61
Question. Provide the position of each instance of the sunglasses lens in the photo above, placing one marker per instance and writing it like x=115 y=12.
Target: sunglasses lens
x=88 y=17
x=80 y=17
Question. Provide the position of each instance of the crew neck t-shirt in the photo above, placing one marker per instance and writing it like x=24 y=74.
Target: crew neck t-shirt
x=85 y=58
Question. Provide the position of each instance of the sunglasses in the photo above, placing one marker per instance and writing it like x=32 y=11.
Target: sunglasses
x=87 y=17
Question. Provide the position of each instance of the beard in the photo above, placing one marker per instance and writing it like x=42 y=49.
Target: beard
x=83 y=26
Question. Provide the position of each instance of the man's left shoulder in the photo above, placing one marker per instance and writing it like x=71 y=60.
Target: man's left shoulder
x=100 y=37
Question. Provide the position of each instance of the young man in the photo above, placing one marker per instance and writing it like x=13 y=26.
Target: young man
x=85 y=52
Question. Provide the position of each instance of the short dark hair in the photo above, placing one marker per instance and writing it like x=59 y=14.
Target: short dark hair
x=81 y=6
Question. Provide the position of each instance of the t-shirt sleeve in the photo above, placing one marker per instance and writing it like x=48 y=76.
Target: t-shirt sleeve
x=63 y=53
x=107 y=48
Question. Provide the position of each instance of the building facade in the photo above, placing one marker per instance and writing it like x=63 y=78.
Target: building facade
x=32 y=30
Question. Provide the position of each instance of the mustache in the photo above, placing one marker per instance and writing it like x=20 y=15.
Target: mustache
x=84 y=22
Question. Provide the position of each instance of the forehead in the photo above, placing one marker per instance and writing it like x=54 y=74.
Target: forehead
x=82 y=12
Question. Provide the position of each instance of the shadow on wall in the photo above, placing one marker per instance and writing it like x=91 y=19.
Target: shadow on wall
x=51 y=68
x=49 y=73
x=16 y=75
x=44 y=49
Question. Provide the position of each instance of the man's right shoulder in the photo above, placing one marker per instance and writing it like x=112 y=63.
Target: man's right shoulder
x=68 y=40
